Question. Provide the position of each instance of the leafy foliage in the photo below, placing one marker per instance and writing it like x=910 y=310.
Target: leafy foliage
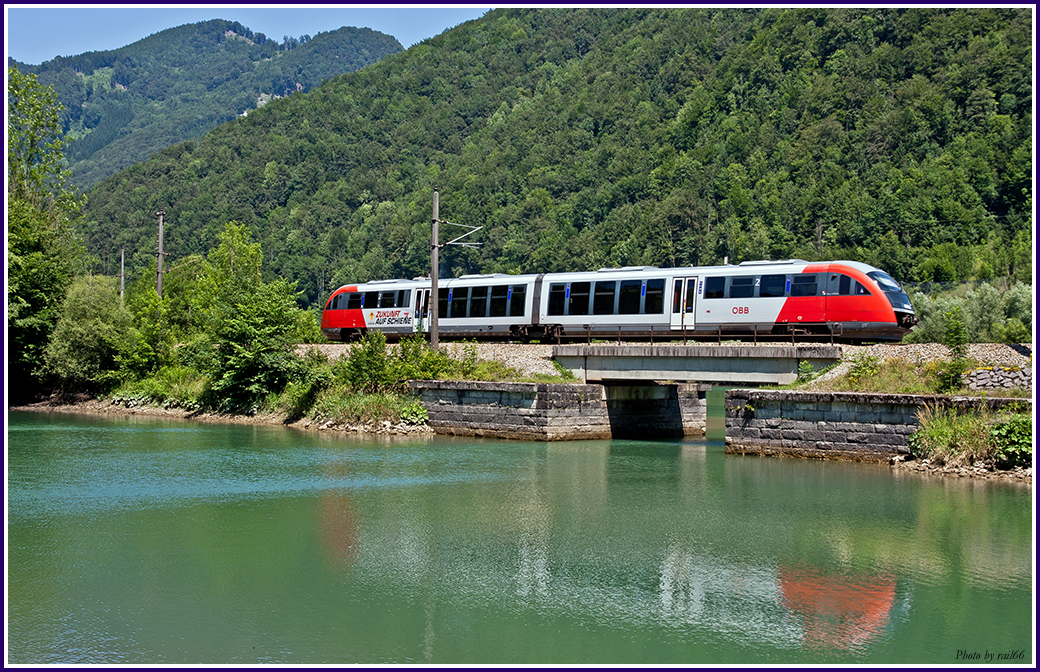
x=604 y=137
x=863 y=367
x=950 y=375
x=1013 y=439
x=988 y=314
x=962 y=439
x=93 y=339
x=43 y=252
x=249 y=327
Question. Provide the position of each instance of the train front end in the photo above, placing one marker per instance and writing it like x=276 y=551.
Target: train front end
x=906 y=318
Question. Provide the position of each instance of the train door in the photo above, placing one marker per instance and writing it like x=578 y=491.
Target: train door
x=684 y=301
x=421 y=321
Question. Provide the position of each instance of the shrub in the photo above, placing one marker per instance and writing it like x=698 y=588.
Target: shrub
x=863 y=366
x=300 y=395
x=1013 y=441
x=93 y=339
x=806 y=372
x=984 y=314
x=368 y=368
x=949 y=376
x=948 y=437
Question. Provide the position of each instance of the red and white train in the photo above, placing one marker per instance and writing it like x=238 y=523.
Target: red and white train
x=837 y=300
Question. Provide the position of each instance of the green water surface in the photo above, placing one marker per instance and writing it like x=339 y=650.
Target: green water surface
x=143 y=541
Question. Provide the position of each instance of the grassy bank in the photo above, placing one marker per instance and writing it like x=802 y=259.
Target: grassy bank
x=366 y=388
x=897 y=375
x=945 y=437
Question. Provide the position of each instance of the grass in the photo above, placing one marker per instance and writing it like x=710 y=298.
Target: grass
x=949 y=437
x=170 y=387
x=366 y=388
x=944 y=436
x=342 y=405
x=896 y=376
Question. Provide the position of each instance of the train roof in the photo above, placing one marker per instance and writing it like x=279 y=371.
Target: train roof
x=752 y=266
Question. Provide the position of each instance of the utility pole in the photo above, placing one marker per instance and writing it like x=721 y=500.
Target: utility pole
x=158 y=279
x=435 y=246
x=435 y=270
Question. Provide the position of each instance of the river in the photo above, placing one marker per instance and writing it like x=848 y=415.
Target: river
x=140 y=540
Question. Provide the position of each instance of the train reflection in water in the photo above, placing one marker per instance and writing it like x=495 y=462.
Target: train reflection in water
x=514 y=547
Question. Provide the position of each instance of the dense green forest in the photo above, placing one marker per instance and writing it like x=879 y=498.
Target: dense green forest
x=121 y=106
x=583 y=138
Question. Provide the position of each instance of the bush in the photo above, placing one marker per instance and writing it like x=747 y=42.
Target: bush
x=1013 y=441
x=253 y=341
x=93 y=339
x=300 y=395
x=368 y=368
x=863 y=366
x=950 y=376
x=984 y=314
x=988 y=315
x=960 y=439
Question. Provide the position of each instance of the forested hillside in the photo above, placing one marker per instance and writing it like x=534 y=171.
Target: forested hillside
x=122 y=106
x=589 y=138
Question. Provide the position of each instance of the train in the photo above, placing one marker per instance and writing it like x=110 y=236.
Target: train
x=840 y=301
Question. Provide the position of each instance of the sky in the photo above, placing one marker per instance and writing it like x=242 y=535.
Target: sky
x=34 y=34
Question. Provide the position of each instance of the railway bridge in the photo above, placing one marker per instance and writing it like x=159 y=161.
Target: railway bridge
x=719 y=364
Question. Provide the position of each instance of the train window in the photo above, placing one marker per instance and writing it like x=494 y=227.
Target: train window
x=371 y=300
x=677 y=296
x=442 y=302
x=839 y=285
x=459 y=299
x=387 y=299
x=404 y=298
x=353 y=300
x=654 y=302
x=860 y=290
x=773 y=285
x=517 y=294
x=499 y=294
x=557 y=298
x=714 y=288
x=628 y=297
x=478 y=301
x=579 y=301
x=884 y=281
x=603 y=302
x=742 y=287
x=804 y=284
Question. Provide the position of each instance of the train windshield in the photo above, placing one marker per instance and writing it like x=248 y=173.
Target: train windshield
x=884 y=281
x=896 y=296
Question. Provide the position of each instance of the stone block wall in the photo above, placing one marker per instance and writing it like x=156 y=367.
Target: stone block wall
x=849 y=425
x=998 y=378
x=557 y=412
